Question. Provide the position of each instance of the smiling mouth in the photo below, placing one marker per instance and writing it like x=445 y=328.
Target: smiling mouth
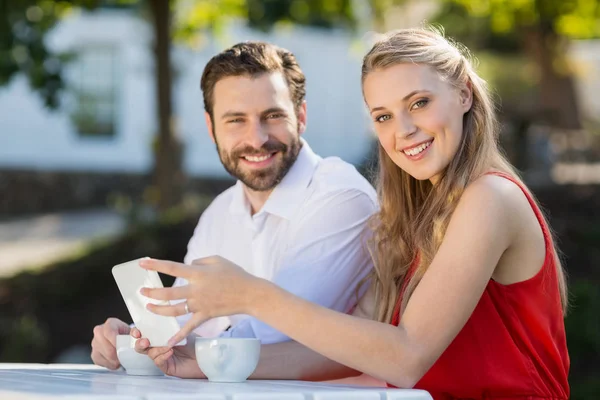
x=413 y=151
x=258 y=159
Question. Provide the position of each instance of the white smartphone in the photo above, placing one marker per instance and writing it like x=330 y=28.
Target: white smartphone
x=130 y=278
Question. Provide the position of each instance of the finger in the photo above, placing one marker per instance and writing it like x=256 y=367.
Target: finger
x=192 y=324
x=170 y=293
x=154 y=352
x=161 y=361
x=98 y=331
x=206 y=260
x=122 y=328
x=142 y=345
x=135 y=332
x=102 y=361
x=101 y=344
x=110 y=330
x=170 y=311
x=166 y=267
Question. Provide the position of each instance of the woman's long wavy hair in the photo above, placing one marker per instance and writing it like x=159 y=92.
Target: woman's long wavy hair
x=414 y=215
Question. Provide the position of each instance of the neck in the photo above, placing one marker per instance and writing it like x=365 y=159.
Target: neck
x=257 y=199
x=435 y=179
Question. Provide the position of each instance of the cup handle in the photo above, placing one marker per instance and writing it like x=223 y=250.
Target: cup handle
x=223 y=357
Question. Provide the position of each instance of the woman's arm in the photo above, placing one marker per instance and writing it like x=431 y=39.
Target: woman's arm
x=478 y=234
x=292 y=360
x=481 y=229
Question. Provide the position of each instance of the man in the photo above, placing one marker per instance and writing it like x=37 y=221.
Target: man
x=292 y=217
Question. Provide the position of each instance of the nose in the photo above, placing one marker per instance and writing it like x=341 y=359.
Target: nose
x=257 y=134
x=405 y=128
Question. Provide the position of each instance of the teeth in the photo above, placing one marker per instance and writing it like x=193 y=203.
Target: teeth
x=256 y=158
x=416 y=150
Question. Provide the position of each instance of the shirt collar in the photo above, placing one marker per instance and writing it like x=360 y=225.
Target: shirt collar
x=239 y=204
x=288 y=194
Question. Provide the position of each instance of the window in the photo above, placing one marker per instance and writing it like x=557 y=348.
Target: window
x=93 y=85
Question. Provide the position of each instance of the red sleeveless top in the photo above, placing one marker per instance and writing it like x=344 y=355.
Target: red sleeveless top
x=513 y=346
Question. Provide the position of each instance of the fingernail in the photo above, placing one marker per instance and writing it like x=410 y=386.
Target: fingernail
x=171 y=342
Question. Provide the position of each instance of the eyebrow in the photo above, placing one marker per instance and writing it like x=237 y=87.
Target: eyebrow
x=231 y=113
x=273 y=110
x=408 y=96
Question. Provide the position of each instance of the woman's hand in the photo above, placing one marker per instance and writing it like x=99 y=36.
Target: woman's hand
x=177 y=361
x=216 y=287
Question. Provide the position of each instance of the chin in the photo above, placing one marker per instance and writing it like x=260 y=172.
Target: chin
x=425 y=174
x=422 y=176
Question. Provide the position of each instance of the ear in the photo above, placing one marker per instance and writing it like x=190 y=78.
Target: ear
x=302 y=118
x=209 y=125
x=466 y=96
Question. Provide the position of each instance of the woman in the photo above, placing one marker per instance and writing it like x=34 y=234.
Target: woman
x=468 y=295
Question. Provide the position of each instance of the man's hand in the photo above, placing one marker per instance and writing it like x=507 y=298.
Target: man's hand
x=177 y=361
x=104 y=351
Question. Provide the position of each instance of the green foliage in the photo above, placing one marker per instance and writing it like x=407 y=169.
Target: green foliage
x=475 y=30
x=511 y=77
x=194 y=21
x=23 y=28
x=570 y=18
x=583 y=338
x=539 y=28
x=499 y=24
x=23 y=335
x=380 y=8
x=263 y=14
x=25 y=23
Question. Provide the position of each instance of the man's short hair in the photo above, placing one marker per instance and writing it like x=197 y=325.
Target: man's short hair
x=253 y=59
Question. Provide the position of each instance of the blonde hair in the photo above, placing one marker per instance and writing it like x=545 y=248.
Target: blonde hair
x=413 y=217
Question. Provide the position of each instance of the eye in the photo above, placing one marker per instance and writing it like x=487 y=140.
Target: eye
x=235 y=121
x=382 y=118
x=275 y=116
x=419 y=104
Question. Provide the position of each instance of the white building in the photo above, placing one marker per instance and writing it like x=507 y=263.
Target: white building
x=108 y=119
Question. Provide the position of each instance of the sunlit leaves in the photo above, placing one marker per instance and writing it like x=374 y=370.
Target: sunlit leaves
x=572 y=18
x=24 y=24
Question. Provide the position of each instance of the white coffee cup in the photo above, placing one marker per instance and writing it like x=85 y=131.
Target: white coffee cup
x=227 y=359
x=134 y=362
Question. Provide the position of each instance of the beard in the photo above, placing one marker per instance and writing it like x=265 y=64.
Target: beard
x=266 y=178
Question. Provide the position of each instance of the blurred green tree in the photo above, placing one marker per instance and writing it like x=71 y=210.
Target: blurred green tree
x=25 y=23
x=541 y=29
x=23 y=26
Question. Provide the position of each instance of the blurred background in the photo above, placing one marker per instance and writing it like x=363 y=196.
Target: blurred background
x=104 y=155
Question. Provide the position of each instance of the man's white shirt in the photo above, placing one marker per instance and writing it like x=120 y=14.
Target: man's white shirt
x=309 y=238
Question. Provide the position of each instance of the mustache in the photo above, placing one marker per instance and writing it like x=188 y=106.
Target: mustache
x=271 y=146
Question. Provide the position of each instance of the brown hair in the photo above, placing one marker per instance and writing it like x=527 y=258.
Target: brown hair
x=414 y=215
x=252 y=59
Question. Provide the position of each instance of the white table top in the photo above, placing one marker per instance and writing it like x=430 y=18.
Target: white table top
x=78 y=381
